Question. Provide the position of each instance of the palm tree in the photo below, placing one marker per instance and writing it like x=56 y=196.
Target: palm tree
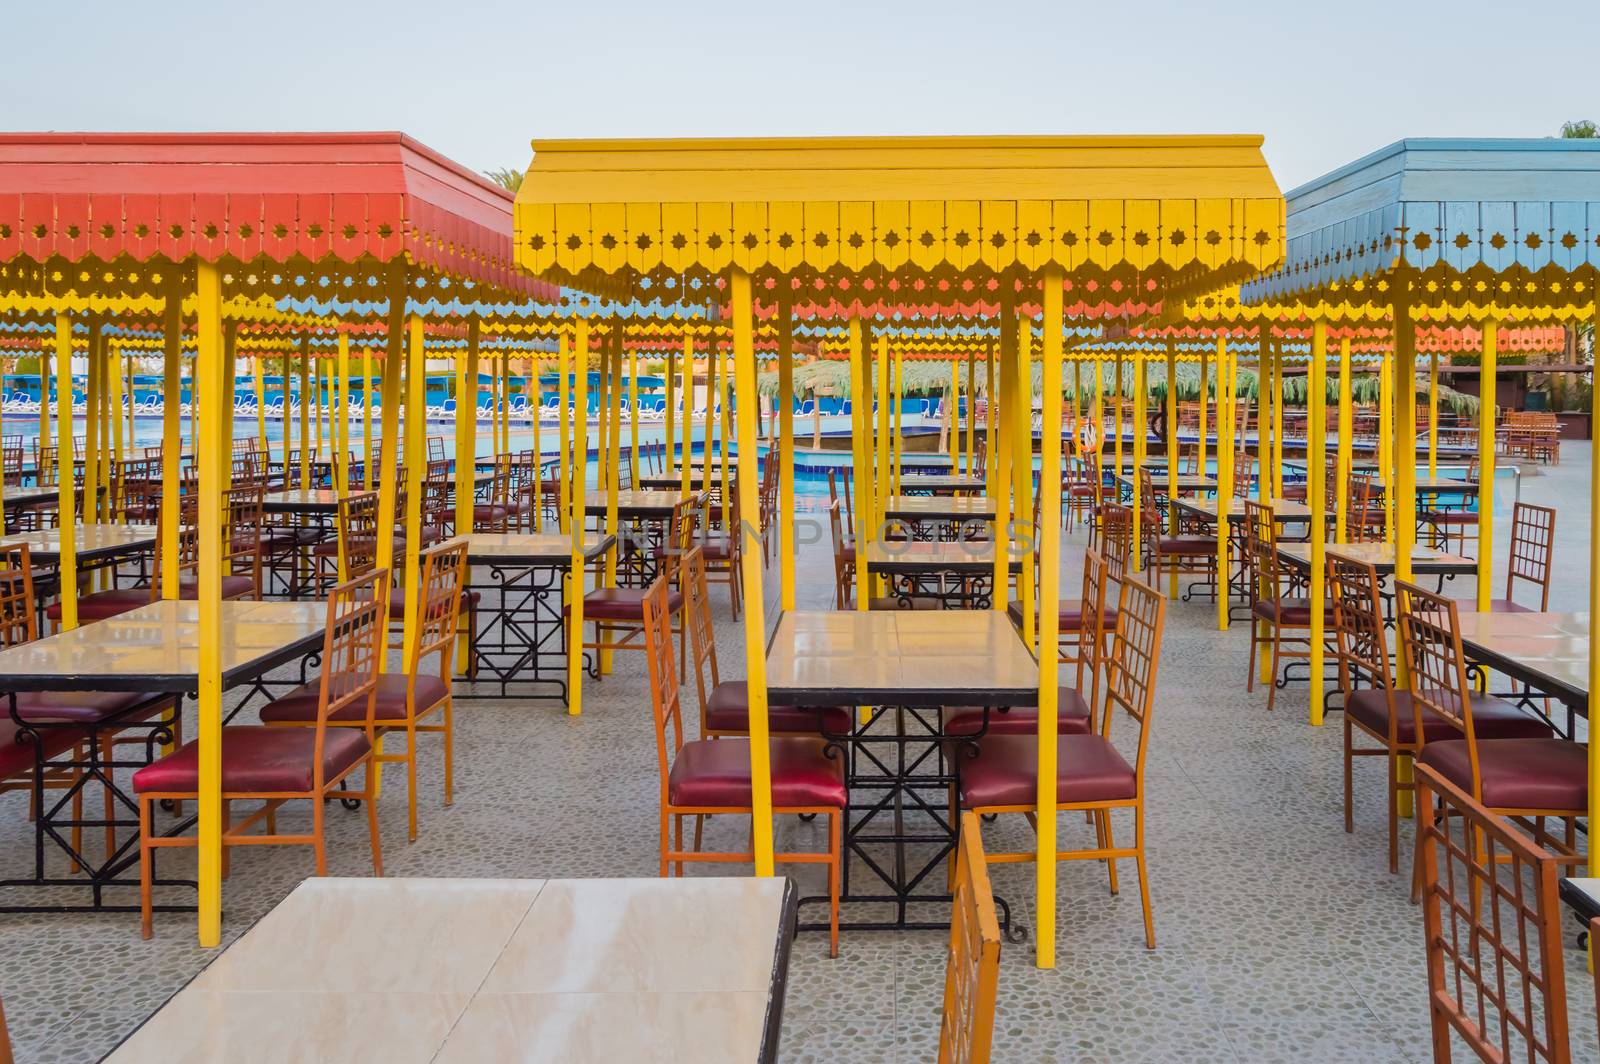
x=506 y=178
x=1580 y=129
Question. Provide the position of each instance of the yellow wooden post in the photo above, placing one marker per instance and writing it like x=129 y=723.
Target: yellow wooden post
x=952 y=422
x=416 y=452
x=1049 y=535
x=536 y=403
x=1433 y=414
x=1116 y=417
x=1346 y=432
x=1141 y=432
x=171 y=444
x=172 y=338
x=260 y=384
x=1263 y=416
x=1277 y=420
x=1225 y=445
x=467 y=425
x=686 y=446
x=305 y=414
x=633 y=407
x=669 y=371
x=1172 y=453
x=316 y=404
x=860 y=466
x=972 y=411
x=613 y=416
x=884 y=481
x=991 y=441
x=567 y=425
x=1205 y=442
x=897 y=398
x=1405 y=444
x=1487 y=365
x=114 y=374
x=93 y=353
x=1000 y=456
x=340 y=411
x=1316 y=498
x=66 y=492
x=1386 y=438
x=1594 y=585
x=211 y=453
x=580 y=474
x=708 y=434
x=755 y=625
x=1021 y=440
x=389 y=411
x=720 y=353
x=788 y=542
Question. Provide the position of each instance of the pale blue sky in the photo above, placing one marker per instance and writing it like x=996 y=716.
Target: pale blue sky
x=477 y=81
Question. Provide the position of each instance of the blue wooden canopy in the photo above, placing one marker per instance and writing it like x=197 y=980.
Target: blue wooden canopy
x=1446 y=204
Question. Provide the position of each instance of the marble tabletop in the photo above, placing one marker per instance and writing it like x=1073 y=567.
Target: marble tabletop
x=457 y=970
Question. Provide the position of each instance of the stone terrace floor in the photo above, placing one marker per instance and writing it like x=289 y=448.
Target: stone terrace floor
x=1279 y=936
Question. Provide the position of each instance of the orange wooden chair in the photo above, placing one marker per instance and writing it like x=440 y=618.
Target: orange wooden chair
x=1533 y=531
x=1526 y=778
x=1279 y=620
x=1376 y=710
x=1183 y=553
x=844 y=559
x=278 y=765
x=706 y=777
x=972 y=965
x=405 y=701
x=616 y=614
x=1492 y=924
x=1092 y=776
x=723 y=547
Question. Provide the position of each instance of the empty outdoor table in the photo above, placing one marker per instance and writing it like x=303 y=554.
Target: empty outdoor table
x=940 y=483
x=579 y=970
x=1547 y=651
x=673 y=482
x=521 y=638
x=1188 y=484
x=634 y=505
x=1425 y=561
x=318 y=501
x=1284 y=511
x=153 y=649
x=959 y=573
x=908 y=666
x=942 y=516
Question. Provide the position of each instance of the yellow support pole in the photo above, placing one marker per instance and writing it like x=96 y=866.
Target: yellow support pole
x=1316 y=415
x=66 y=491
x=1405 y=444
x=416 y=452
x=1205 y=443
x=169 y=338
x=316 y=405
x=211 y=453
x=612 y=415
x=288 y=420
x=1141 y=433
x=1172 y=453
x=260 y=383
x=1022 y=480
x=897 y=437
x=952 y=415
x=884 y=481
x=1001 y=430
x=1225 y=446
x=1049 y=592
x=114 y=374
x=972 y=411
x=1346 y=432
x=93 y=353
x=991 y=441
x=1116 y=416
x=727 y=430
x=1433 y=414
x=686 y=446
x=305 y=415
x=366 y=418
x=1263 y=416
x=580 y=475
x=537 y=405
x=861 y=459
x=669 y=371
x=755 y=626
x=567 y=425
x=171 y=443
x=1593 y=657
x=1487 y=364
x=467 y=425
x=708 y=434
x=1277 y=421
x=1386 y=439
x=633 y=407
x=787 y=545
x=389 y=411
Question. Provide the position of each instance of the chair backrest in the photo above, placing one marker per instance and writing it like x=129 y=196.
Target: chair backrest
x=665 y=702
x=444 y=571
x=1331 y=485
x=839 y=563
x=1244 y=472
x=352 y=653
x=1151 y=524
x=435 y=448
x=245 y=529
x=1116 y=537
x=18 y=621
x=358 y=530
x=1361 y=642
x=1092 y=619
x=1492 y=926
x=1134 y=660
x=1261 y=551
x=1430 y=633
x=1533 y=530
x=972 y=966
x=1363 y=519
x=702 y=634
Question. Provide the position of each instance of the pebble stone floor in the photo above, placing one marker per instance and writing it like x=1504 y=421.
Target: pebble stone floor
x=1279 y=937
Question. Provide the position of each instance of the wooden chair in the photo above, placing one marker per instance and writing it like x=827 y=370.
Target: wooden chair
x=1376 y=710
x=706 y=777
x=1533 y=531
x=1365 y=519
x=278 y=765
x=1186 y=553
x=972 y=965
x=1091 y=775
x=1522 y=777
x=617 y=613
x=241 y=548
x=1116 y=538
x=724 y=547
x=844 y=559
x=1492 y=927
x=1277 y=617
x=404 y=701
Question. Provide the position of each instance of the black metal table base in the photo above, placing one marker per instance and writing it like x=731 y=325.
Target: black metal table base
x=520 y=646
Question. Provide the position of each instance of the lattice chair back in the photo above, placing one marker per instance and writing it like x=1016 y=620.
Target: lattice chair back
x=702 y=633
x=1134 y=661
x=443 y=569
x=1492 y=926
x=358 y=528
x=1360 y=639
x=1430 y=634
x=972 y=965
x=1533 y=530
x=18 y=620
x=665 y=701
x=244 y=534
x=352 y=654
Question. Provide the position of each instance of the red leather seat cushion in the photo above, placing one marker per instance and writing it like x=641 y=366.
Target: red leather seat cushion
x=714 y=546
x=1088 y=769
x=1069 y=615
x=1517 y=773
x=716 y=772
x=848 y=554
x=1296 y=611
x=1492 y=718
x=1188 y=546
x=1072 y=717
x=256 y=759
x=397 y=602
x=82 y=706
x=489 y=512
x=103 y=604
x=622 y=603
x=16 y=758
x=232 y=587
x=300 y=704
x=728 y=709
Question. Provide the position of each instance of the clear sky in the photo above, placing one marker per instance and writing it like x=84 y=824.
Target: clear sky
x=1324 y=83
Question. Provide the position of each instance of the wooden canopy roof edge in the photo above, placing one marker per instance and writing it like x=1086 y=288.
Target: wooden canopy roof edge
x=250 y=196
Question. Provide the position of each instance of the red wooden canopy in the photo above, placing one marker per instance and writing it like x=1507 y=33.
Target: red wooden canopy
x=248 y=196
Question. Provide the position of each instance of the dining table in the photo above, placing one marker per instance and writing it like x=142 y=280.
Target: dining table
x=461 y=971
x=958 y=574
